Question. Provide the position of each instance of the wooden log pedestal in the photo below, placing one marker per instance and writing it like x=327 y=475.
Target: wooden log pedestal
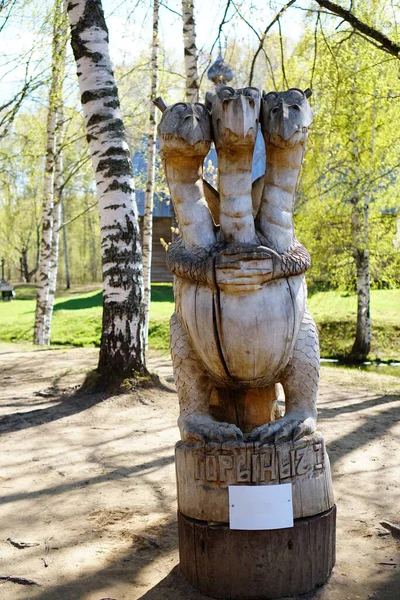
x=236 y=564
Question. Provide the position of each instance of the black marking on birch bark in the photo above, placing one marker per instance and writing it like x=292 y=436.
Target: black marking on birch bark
x=117 y=280
x=190 y=50
x=112 y=104
x=90 y=137
x=116 y=167
x=116 y=126
x=120 y=185
x=116 y=150
x=114 y=206
x=99 y=118
x=71 y=5
x=91 y=95
x=93 y=16
x=125 y=234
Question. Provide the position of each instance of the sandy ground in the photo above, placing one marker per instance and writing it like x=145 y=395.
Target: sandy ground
x=92 y=479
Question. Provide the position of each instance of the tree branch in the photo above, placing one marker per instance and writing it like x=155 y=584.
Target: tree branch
x=78 y=216
x=263 y=36
x=372 y=33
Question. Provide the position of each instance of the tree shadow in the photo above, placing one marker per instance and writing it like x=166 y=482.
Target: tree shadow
x=64 y=406
x=123 y=570
x=67 y=405
x=373 y=426
x=328 y=413
x=162 y=293
x=173 y=587
x=80 y=303
x=117 y=473
x=390 y=590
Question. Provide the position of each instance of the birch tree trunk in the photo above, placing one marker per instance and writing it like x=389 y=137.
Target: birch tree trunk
x=65 y=246
x=151 y=164
x=189 y=43
x=40 y=326
x=53 y=263
x=362 y=343
x=122 y=341
x=360 y=225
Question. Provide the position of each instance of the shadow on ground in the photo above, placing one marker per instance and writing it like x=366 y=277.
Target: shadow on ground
x=80 y=303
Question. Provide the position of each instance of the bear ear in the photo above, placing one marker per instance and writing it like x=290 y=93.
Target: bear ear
x=208 y=101
x=307 y=92
x=269 y=95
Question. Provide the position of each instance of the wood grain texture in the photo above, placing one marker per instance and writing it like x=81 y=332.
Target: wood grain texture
x=244 y=339
x=205 y=472
x=250 y=565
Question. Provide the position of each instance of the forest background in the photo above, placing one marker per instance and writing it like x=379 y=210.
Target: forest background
x=348 y=199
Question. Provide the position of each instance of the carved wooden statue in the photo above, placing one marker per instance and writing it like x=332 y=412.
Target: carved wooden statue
x=241 y=323
x=241 y=319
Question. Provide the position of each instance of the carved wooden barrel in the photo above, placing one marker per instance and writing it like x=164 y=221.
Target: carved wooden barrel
x=246 y=338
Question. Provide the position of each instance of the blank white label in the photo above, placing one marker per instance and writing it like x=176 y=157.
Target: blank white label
x=260 y=506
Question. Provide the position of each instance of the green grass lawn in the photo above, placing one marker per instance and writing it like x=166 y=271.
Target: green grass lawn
x=335 y=314
x=77 y=319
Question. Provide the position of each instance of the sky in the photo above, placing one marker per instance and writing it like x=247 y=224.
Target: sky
x=130 y=27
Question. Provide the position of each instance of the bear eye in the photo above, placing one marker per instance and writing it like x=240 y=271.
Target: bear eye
x=275 y=110
x=295 y=107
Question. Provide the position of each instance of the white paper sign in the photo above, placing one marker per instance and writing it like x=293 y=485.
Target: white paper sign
x=260 y=506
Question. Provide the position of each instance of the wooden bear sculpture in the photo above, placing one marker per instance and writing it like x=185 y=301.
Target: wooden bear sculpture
x=241 y=323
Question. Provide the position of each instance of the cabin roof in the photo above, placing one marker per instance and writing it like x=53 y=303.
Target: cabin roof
x=5 y=287
x=162 y=204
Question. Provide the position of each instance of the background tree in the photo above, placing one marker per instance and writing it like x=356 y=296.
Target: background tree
x=43 y=310
x=350 y=179
x=151 y=165
x=122 y=350
x=190 y=51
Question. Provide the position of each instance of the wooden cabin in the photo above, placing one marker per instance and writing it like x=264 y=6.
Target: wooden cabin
x=163 y=220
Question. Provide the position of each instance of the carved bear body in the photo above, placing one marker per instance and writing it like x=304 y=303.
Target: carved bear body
x=243 y=339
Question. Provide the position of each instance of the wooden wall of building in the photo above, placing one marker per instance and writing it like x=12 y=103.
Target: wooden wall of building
x=161 y=229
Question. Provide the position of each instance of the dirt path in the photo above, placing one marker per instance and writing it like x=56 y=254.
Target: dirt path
x=95 y=477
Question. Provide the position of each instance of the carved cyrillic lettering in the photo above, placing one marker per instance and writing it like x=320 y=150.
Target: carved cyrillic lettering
x=225 y=462
x=243 y=469
x=283 y=464
x=319 y=450
x=302 y=465
x=211 y=468
x=268 y=465
x=292 y=457
x=199 y=466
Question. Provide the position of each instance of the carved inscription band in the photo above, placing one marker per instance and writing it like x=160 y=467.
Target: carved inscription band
x=205 y=472
x=270 y=465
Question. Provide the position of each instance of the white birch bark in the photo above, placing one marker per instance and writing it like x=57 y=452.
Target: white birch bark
x=151 y=164
x=189 y=43
x=65 y=247
x=122 y=342
x=53 y=262
x=41 y=314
